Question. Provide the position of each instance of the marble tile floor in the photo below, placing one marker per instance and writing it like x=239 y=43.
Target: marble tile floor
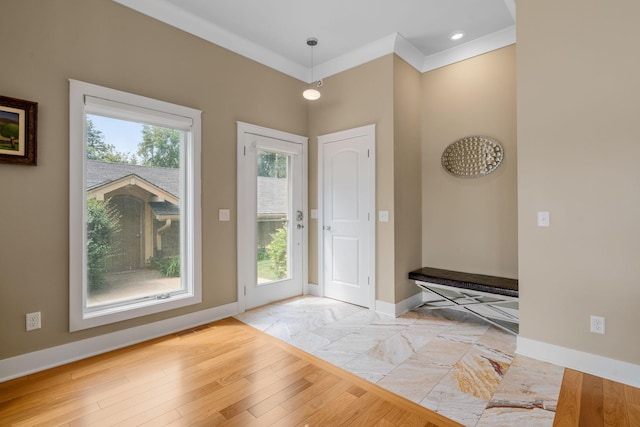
x=445 y=360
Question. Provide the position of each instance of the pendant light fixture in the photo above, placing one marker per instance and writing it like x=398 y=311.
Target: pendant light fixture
x=312 y=94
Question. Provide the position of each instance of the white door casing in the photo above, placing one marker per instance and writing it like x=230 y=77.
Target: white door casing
x=346 y=220
x=250 y=140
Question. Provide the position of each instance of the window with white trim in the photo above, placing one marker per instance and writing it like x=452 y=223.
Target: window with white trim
x=134 y=206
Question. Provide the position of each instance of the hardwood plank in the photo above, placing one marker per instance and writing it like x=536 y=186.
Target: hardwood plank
x=151 y=418
x=632 y=402
x=336 y=405
x=568 y=410
x=614 y=410
x=362 y=404
x=592 y=402
x=267 y=419
x=218 y=420
x=320 y=401
x=162 y=420
x=213 y=402
x=318 y=388
x=259 y=396
x=57 y=416
x=270 y=370
x=276 y=399
x=372 y=416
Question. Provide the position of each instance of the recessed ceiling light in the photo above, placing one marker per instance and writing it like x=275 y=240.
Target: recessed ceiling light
x=456 y=35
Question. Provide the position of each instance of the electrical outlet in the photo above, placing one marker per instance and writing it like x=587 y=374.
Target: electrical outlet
x=597 y=325
x=33 y=321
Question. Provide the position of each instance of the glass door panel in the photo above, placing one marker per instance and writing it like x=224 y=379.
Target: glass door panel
x=273 y=224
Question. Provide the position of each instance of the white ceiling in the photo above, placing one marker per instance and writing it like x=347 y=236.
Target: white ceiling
x=349 y=32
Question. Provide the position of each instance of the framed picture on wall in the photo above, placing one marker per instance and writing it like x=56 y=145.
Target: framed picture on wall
x=18 y=131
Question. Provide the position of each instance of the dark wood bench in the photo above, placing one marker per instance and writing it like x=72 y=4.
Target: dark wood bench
x=473 y=282
x=491 y=298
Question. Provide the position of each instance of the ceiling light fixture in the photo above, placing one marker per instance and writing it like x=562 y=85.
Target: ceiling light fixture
x=312 y=94
x=456 y=35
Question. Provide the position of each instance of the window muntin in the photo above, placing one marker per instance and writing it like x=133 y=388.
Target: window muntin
x=152 y=262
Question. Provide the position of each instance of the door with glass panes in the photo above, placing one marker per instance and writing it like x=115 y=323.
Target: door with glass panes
x=272 y=219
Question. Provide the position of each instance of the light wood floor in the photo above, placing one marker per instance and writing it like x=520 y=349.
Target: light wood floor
x=586 y=400
x=225 y=373
x=228 y=373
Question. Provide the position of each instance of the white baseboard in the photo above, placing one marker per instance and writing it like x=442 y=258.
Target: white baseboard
x=40 y=360
x=615 y=370
x=397 y=309
x=313 y=289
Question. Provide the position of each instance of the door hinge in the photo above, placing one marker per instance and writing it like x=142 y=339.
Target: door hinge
x=245 y=291
x=244 y=149
x=368 y=280
x=368 y=153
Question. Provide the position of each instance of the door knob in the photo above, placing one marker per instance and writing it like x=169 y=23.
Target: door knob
x=299 y=226
x=327 y=227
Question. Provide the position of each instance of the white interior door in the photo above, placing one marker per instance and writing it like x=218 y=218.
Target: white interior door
x=347 y=225
x=271 y=215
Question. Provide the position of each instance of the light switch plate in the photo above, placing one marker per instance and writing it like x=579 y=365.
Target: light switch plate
x=383 y=216
x=314 y=213
x=543 y=219
x=224 y=214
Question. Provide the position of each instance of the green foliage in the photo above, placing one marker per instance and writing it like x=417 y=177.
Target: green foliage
x=168 y=266
x=98 y=149
x=103 y=222
x=262 y=254
x=171 y=267
x=160 y=147
x=272 y=165
x=277 y=251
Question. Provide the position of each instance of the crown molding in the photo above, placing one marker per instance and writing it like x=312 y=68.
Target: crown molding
x=407 y=51
x=476 y=47
x=366 y=53
x=393 y=43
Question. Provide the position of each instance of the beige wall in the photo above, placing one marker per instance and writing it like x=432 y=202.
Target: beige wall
x=359 y=97
x=101 y=42
x=470 y=225
x=407 y=174
x=578 y=143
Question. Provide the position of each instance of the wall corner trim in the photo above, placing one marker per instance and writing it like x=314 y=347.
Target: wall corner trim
x=615 y=370
x=313 y=289
x=40 y=360
x=397 y=309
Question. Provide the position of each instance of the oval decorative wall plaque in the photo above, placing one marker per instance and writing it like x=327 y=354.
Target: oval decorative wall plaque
x=472 y=156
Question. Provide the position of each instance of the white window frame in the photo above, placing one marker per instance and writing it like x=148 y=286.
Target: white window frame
x=122 y=105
